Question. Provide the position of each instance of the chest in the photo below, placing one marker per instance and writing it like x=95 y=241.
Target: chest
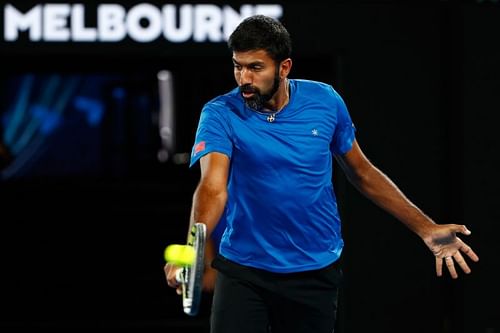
x=302 y=139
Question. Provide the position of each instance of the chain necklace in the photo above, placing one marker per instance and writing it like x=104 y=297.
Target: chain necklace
x=271 y=117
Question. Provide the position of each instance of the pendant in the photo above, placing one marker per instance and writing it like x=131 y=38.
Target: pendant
x=271 y=118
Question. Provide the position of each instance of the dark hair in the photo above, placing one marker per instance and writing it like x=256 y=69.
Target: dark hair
x=261 y=32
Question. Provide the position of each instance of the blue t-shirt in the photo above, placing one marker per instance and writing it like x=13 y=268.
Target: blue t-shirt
x=281 y=211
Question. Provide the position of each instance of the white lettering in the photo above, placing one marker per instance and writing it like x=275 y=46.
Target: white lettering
x=147 y=13
x=232 y=18
x=275 y=11
x=14 y=21
x=143 y=23
x=55 y=19
x=79 y=32
x=111 y=23
x=181 y=31
x=207 y=23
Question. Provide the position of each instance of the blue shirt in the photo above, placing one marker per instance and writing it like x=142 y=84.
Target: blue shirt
x=281 y=211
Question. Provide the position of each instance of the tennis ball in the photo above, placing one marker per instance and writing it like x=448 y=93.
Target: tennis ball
x=179 y=255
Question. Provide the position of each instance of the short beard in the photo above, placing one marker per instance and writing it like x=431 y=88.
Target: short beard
x=258 y=100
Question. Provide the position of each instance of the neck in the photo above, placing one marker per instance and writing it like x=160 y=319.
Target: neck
x=281 y=98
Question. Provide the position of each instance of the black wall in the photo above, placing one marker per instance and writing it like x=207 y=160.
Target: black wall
x=420 y=82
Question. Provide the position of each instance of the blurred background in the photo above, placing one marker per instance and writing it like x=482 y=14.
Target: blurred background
x=99 y=106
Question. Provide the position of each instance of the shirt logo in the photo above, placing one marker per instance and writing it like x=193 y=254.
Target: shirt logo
x=199 y=147
x=315 y=132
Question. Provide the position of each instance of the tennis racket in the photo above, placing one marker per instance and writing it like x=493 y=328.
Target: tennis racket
x=191 y=277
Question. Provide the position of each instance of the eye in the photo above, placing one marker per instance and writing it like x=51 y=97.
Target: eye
x=256 y=68
x=237 y=67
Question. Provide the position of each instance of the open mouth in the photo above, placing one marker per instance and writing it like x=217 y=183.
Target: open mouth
x=247 y=94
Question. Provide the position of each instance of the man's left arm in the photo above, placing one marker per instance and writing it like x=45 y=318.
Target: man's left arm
x=441 y=239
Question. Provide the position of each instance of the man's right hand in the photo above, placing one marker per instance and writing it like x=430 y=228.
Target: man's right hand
x=170 y=272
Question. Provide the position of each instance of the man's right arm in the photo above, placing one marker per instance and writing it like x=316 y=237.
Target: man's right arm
x=209 y=200
x=210 y=196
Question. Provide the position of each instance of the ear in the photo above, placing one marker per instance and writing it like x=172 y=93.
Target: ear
x=285 y=67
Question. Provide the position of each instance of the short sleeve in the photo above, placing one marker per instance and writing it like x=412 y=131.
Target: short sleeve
x=212 y=135
x=344 y=134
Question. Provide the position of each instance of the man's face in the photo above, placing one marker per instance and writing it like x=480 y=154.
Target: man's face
x=257 y=76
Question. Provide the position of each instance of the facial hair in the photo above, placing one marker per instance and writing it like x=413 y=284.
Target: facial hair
x=258 y=100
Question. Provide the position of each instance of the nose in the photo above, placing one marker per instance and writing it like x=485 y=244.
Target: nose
x=245 y=76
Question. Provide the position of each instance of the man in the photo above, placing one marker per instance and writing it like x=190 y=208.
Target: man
x=266 y=153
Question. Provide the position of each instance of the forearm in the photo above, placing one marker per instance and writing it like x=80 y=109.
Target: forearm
x=208 y=206
x=376 y=186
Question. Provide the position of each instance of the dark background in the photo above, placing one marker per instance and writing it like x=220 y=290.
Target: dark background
x=84 y=225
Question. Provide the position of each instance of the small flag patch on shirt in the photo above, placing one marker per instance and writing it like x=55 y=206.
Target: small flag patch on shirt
x=199 y=147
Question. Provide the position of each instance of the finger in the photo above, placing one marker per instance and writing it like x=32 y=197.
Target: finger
x=461 y=262
x=462 y=229
x=166 y=270
x=173 y=284
x=451 y=267
x=439 y=266
x=171 y=278
x=468 y=251
x=178 y=290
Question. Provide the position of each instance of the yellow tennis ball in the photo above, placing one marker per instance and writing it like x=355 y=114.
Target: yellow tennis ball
x=179 y=255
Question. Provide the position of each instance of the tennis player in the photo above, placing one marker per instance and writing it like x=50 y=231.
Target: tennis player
x=266 y=152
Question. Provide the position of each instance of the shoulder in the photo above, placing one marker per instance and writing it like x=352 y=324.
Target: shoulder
x=320 y=92
x=314 y=88
x=230 y=100
x=223 y=109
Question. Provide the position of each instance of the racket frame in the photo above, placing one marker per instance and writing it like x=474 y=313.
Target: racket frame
x=191 y=277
